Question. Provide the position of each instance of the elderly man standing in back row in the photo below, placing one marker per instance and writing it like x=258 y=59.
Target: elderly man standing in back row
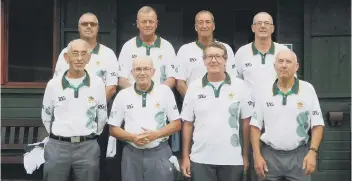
x=147 y=43
x=287 y=110
x=74 y=114
x=104 y=64
x=146 y=108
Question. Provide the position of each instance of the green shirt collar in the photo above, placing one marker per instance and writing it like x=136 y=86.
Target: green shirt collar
x=201 y=46
x=205 y=80
x=271 y=50
x=294 y=89
x=139 y=92
x=65 y=84
x=96 y=49
x=140 y=43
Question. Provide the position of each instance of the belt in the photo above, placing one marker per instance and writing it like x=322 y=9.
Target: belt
x=74 y=139
x=284 y=151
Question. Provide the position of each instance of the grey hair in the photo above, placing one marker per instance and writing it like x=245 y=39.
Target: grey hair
x=204 y=11
x=286 y=50
x=69 y=46
x=146 y=9
x=87 y=14
x=145 y=58
x=272 y=21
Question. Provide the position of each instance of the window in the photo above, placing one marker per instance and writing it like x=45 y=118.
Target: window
x=28 y=29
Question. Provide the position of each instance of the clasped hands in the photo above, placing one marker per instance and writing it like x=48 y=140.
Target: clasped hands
x=145 y=137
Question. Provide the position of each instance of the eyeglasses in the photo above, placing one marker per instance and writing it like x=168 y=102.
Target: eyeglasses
x=266 y=23
x=77 y=54
x=210 y=57
x=139 y=70
x=92 y=24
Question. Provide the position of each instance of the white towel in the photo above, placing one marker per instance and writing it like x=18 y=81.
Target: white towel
x=111 y=150
x=35 y=157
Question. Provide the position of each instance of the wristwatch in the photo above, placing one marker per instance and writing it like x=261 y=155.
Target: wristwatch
x=313 y=149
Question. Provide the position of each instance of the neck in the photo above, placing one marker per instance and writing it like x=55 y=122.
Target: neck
x=205 y=40
x=263 y=44
x=148 y=39
x=144 y=86
x=74 y=74
x=285 y=84
x=216 y=77
x=91 y=41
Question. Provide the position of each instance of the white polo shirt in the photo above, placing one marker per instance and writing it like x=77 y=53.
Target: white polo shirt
x=256 y=68
x=191 y=65
x=103 y=63
x=287 y=117
x=150 y=110
x=161 y=52
x=216 y=113
x=76 y=111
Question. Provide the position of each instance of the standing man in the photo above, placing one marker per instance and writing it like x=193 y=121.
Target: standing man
x=190 y=56
x=254 y=63
x=74 y=114
x=145 y=108
x=287 y=111
x=147 y=43
x=104 y=64
x=215 y=104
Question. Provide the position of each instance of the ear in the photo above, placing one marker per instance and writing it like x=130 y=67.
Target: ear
x=252 y=27
x=137 y=24
x=66 y=56
x=156 y=24
x=89 y=57
x=273 y=29
x=195 y=28
x=297 y=66
x=153 y=71
x=214 y=27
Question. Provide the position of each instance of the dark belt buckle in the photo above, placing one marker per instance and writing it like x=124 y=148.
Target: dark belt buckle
x=75 y=139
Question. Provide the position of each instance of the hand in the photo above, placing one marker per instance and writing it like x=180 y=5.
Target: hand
x=186 y=167
x=245 y=164
x=151 y=135
x=140 y=140
x=309 y=162
x=260 y=166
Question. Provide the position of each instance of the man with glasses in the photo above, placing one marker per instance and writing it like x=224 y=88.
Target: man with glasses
x=147 y=43
x=103 y=63
x=74 y=114
x=189 y=57
x=215 y=104
x=145 y=107
x=255 y=63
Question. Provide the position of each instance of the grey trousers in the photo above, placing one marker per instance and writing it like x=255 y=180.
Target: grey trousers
x=206 y=172
x=61 y=156
x=147 y=164
x=285 y=165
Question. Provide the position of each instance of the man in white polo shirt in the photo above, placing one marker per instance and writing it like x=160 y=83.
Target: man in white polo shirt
x=215 y=104
x=189 y=59
x=287 y=111
x=74 y=114
x=145 y=108
x=147 y=43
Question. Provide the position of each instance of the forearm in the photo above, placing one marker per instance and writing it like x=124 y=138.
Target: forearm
x=246 y=136
x=170 y=82
x=317 y=135
x=124 y=83
x=121 y=134
x=169 y=129
x=186 y=138
x=110 y=91
x=181 y=87
x=255 y=140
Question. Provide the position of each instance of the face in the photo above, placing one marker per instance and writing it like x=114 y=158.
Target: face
x=147 y=23
x=78 y=57
x=263 y=26
x=214 y=60
x=88 y=27
x=142 y=71
x=204 y=25
x=285 y=65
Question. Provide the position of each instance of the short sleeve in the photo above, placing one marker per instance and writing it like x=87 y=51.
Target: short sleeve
x=111 y=69
x=171 y=62
x=247 y=104
x=237 y=63
x=61 y=64
x=125 y=62
x=172 y=110
x=315 y=113
x=117 y=113
x=181 y=64
x=187 y=113
x=102 y=107
x=231 y=66
x=257 y=118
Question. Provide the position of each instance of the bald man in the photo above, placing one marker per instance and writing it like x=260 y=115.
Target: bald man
x=287 y=111
x=74 y=114
x=151 y=115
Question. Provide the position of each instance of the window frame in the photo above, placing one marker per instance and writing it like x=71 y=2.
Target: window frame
x=5 y=83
